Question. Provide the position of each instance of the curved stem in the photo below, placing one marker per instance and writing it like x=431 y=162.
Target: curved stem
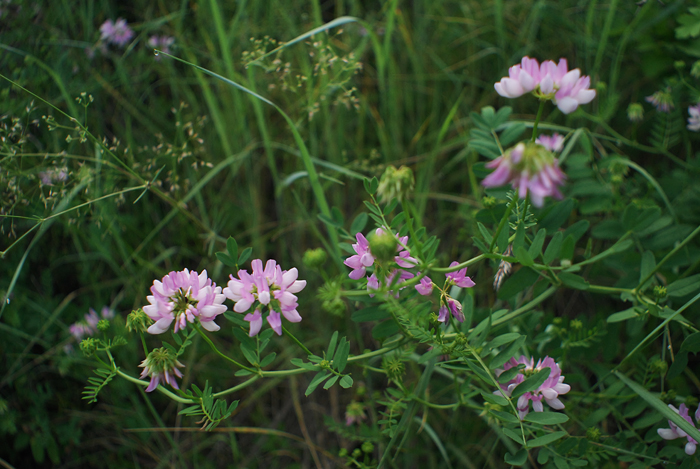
x=237 y=388
x=537 y=120
x=291 y=336
x=216 y=350
x=160 y=388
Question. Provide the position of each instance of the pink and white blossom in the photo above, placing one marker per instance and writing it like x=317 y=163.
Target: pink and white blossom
x=548 y=81
x=271 y=287
x=550 y=390
x=694 y=119
x=531 y=169
x=425 y=287
x=181 y=297
x=553 y=143
x=162 y=366
x=459 y=277
x=675 y=432
x=118 y=33
x=88 y=326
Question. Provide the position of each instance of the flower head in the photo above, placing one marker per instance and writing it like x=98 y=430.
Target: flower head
x=459 y=277
x=118 y=33
x=425 y=287
x=662 y=100
x=88 y=326
x=635 y=112
x=549 y=81
x=550 y=390
x=162 y=366
x=271 y=287
x=694 y=119
x=182 y=297
x=675 y=432
x=527 y=167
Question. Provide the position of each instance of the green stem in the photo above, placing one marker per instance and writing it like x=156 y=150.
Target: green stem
x=143 y=342
x=503 y=221
x=537 y=120
x=216 y=350
x=237 y=388
x=291 y=336
x=667 y=257
x=160 y=388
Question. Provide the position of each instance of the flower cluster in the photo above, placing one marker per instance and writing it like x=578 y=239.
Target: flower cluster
x=271 y=287
x=661 y=100
x=694 y=119
x=364 y=258
x=182 y=297
x=553 y=143
x=450 y=305
x=549 y=81
x=675 y=432
x=89 y=326
x=162 y=366
x=529 y=167
x=162 y=43
x=117 y=33
x=550 y=390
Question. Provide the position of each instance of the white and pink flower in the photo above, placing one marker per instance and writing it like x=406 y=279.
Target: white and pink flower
x=675 y=432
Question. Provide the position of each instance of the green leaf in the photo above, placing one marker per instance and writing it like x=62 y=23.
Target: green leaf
x=385 y=329
x=513 y=436
x=329 y=384
x=232 y=247
x=556 y=215
x=509 y=374
x=245 y=255
x=519 y=240
x=502 y=339
x=243 y=373
x=502 y=241
x=497 y=399
x=268 y=359
x=507 y=353
x=690 y=26
x=691 y=343
x=519 y=281
x=346 y=382
x=373 y=313
x=546 y=418
x=341 y=356
x=480 y=244
x=553 y=248
x=331 y=346
x=660 y=407
x=647 y=266
x=577 y=230
x=573 y=280
x=359 y=223
x=684 y=286
x=537 y=243
x=226 y=259
x=518 y=459
x=523 y=256
x=484 y=232
x=318 y=379
x=567 y=248
x=533 y=382
x=505 y=416
x=623 y=315
x=249 y=354
x=298 y=362
x=545 y=440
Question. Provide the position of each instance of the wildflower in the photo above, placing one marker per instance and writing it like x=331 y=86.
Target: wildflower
x=162 y=366
x=395 y=183
x=360 y=261
x=425 y=287
x=553 y=143
x=694 y=119
x=88 y=326
x=550 y=390
x=635 y=112
x=118 y=33
x=528 y=167
x=162 y=43
x=354 y=413
x=271 y=287
x=459 y=277
x=549 y=81
x=182 y=297
x=137 y=320
x=373 y=282
x=675 y=432
x=662 y=100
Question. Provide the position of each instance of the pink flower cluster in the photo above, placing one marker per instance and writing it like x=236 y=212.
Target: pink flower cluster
x=89 y=326
x=117 y=33
x=550 y=390
x=271 y=287
x=182 y=297
x=553 y=143
x=675 y=432
x=162 y=366
x=529 y=168
x=568 y=89
x=363 y=258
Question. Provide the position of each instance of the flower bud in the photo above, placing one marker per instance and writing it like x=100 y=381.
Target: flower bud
x=314 y=258
x=88 y=346
x=103 y=325
x=383 y=247
x=367 y=447
x=593 y=434
x=138 y=321
x=635 y=112
x=396 y=183
x=660 y=292
x=162 y=366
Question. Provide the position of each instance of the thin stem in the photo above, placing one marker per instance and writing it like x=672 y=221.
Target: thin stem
x=211 y=344
x=237 y=388
x=503 y=221
x=537 y=120
x=143 y=342
x=291 y=336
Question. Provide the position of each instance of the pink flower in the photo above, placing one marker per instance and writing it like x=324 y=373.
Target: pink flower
x=360 y=261
x=89 y=325
x=182 y=297
x=528 y=167
x=661 y=100
x=694 y=119
x=459 y=277
x=117 y=33
x=271 y=287
x=454 y=307
x=553 y=143
x=675 y=432
x=425 y=287
x=162 y=366
x=550 y=390
x=549 y=81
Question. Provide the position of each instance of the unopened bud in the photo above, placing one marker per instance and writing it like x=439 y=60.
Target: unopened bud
x=395 y=183
x=383 y=247
x=138 y=321
x=88 y=347
x=635 y=112
x=314 y=258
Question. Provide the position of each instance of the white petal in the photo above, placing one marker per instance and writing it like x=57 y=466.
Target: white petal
x=585 y=96
x=555 y=404
x=567 y=105
x=210 y=326
x=297 y=286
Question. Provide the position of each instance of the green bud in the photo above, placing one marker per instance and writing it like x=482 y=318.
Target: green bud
x=601 y=86
x=356 y=453
x=103 y=325
x=635 y=112
x=343 y=452
x=336 y=307
x=394 y=368
x=88 y=346
x=593 y=434
x=383 y=247
x=658 y=366
x=314 y=258
x=395 y=183
x=679 y=64
x=367 y=447
x=489 y=202
x=576 y=324
x=660 y=292
x=695 y=69
x=325 y=364
x=138 y=321
x=668 y=396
